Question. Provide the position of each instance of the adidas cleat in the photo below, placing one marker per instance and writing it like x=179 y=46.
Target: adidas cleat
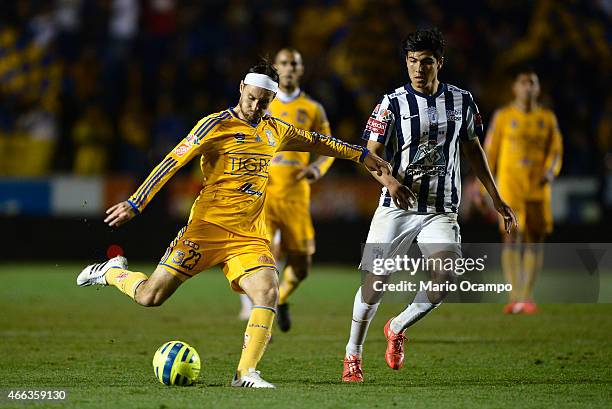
x=95 y=273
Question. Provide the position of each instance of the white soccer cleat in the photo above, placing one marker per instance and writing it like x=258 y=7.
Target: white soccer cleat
x=252 y=379
x=96 y=273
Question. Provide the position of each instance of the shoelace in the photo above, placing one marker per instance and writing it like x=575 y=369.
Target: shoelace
x=398 y=341
x=354 y=365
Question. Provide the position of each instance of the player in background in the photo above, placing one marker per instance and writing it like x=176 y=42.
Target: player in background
x=524 y=149
x=226 y=226
x=420 y=128
x=287 y=205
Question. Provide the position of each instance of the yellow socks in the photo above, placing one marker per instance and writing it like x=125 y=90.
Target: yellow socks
x=256 y=337
x=511 y=265
x=532 y=260
x=126 y=281
x=288 y=286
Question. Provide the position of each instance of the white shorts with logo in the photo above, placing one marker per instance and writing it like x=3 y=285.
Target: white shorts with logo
x=393 y=231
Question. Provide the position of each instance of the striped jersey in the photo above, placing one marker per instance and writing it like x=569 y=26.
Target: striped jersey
x=235 y=159
x=421 y=134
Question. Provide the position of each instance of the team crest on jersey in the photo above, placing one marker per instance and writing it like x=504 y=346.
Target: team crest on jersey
x=240 y=137
x=454 y=115
x=271 y=140
x=428 y=160
x=178 y=258
x=302 y=116
x=432 y=113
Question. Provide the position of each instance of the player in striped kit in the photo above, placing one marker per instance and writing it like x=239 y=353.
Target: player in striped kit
x=227 y=225
x=419 y=128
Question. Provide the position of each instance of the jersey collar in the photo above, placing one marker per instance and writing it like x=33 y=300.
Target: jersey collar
x=286 y=98
x=231 y=111
x=441 y=89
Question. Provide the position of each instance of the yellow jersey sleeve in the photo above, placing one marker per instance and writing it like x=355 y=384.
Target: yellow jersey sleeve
x=186 y=150
x=294 y=139
x=554 y=156
x=321 y=125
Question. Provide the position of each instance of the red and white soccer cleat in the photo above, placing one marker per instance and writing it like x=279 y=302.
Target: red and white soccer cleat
x=509 y=308
x=352 y=369
x=529 y=308
x=394 y=355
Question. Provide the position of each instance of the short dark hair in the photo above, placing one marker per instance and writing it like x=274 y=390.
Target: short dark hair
x=522 y=69
x=425 y=40
x=265 y=67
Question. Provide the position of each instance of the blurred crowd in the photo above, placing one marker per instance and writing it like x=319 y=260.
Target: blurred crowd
x=92 y=87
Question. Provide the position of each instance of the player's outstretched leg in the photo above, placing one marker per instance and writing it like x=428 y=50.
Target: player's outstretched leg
x=147 y=291
x=262 y=288
x=297 y=269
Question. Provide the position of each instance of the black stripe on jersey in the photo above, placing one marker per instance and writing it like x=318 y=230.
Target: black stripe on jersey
x=433 y=138
x=462 y=135
x=415 y=132
x=449 y=102
x=399 y=135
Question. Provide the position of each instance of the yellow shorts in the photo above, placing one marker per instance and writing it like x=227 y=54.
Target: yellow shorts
x=293 y=220
x=533 y=216
x=201 y=245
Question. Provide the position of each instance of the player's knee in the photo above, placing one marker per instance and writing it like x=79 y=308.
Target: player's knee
x=300 y=265
x=266 y=297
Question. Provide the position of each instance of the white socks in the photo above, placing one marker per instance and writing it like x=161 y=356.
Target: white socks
x=414 y=312
x=362 y=316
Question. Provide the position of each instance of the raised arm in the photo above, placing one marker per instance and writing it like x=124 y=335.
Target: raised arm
x=186 y=150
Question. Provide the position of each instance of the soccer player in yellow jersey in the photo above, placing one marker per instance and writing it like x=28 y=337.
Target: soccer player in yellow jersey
x=227 y=225
x=524 y=149
x=287 y=204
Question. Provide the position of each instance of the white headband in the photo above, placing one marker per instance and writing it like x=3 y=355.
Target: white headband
x=261 y=81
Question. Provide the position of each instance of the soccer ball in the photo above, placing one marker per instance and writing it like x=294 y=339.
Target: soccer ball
x=176 y=363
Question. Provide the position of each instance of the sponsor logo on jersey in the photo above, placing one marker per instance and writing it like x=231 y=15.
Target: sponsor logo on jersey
x=376 y=126
x=428 y=160
x=252 y=164
x=454 y=115
x=191 y=244
x=248 y=189
x=182 y=149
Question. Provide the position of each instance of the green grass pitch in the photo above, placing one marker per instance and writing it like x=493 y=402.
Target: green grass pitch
x=98 y=344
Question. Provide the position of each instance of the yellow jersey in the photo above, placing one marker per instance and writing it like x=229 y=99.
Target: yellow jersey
x=304 y=113
x=521 y=147
x=235 y=161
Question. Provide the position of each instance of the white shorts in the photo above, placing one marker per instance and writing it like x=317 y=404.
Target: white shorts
x=393 y=231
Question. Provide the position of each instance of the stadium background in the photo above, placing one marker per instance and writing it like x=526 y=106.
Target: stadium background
x=94 y=93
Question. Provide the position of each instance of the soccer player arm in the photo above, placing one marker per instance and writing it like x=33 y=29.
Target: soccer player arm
x=471 y=130
x=186 y=150
x=553 y=160
x=294 y=139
